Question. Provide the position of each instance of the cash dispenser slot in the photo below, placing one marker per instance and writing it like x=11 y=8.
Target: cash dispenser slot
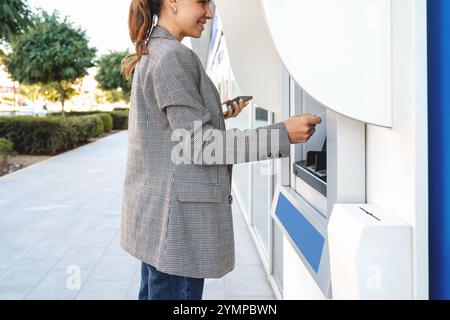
x=313 y=170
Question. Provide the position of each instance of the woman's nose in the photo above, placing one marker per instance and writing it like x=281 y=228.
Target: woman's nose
x=209 y=13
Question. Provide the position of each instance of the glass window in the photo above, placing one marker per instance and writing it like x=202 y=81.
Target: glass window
x=262 y=178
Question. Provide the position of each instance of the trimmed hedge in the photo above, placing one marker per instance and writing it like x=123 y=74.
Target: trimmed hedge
x=119 y=119
x=87 y=126
x=49 y=135
x=107 y=121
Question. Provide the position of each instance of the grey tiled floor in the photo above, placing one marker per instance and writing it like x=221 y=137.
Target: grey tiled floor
x=59 y=233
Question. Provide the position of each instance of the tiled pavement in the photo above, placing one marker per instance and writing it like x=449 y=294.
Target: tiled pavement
x=59 y=233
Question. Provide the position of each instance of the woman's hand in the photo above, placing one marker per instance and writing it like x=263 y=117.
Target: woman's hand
x=236 y=109
x=301 y=127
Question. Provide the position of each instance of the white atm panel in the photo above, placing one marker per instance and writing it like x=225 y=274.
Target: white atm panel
x=370 y=253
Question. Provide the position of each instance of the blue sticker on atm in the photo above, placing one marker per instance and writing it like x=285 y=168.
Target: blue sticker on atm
x=307 y=238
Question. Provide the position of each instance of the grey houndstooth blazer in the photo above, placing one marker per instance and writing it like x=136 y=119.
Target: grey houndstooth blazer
x=177 y=217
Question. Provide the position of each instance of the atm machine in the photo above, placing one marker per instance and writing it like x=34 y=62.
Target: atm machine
x=340 y=57
x=362 y=66
x=351 y=249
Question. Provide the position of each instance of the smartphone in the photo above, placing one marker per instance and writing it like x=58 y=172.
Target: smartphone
x=229 y=105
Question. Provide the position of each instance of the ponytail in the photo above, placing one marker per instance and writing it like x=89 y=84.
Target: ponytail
x=140 y=23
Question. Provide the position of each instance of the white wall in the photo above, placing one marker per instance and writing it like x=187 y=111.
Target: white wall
x=397 y=158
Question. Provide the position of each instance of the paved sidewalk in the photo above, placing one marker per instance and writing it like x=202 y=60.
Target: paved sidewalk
x=59 y=224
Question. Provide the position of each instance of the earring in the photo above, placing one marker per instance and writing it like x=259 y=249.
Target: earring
x=174 y=9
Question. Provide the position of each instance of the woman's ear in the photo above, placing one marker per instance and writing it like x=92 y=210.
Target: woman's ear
x=172 y=3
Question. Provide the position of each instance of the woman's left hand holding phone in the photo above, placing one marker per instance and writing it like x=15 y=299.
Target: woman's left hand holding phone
x=235 y=110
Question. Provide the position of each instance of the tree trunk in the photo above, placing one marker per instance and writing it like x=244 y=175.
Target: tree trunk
x=62 y=94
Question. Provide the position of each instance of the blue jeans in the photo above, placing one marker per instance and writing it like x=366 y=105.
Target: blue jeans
x=156 y=285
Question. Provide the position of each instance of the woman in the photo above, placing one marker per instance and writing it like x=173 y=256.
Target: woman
x=177 y=216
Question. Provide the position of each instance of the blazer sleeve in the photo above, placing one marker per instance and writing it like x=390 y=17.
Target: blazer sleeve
x=175 y=83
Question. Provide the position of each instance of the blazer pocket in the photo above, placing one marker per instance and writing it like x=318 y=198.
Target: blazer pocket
x=196 y=174
x=194 y=192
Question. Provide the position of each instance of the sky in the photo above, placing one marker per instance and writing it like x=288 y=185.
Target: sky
x=105 y=21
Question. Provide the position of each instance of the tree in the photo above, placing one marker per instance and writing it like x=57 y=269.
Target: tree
x=48 y=92
x=15 y=16
x=111 y=79
x=52 y=53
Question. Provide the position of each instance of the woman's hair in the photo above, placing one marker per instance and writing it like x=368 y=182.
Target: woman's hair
x=140 y=22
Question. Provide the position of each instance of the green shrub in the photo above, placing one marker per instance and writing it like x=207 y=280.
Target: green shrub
x=73 y=113
x=49 y=135
x=120 y=120
x=94 y=125
x=107 y=121
x=32 y=135
x=80 y=129
x=7 y=148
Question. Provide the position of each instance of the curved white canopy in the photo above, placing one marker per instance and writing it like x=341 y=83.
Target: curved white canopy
x=339 y=51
